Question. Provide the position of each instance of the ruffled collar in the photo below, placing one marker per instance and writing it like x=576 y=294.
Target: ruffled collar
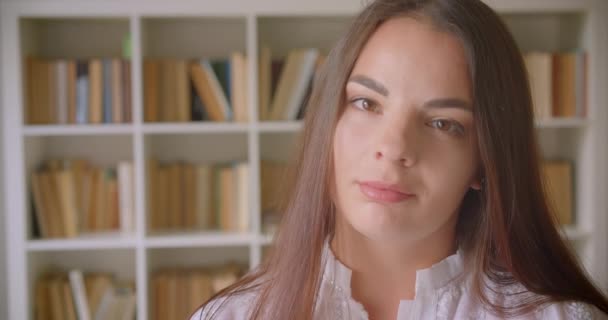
x=427 y=280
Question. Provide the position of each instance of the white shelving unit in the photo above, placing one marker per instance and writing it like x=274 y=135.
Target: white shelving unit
x=190 y=29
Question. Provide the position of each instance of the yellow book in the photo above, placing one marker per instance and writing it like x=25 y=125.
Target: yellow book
x=558 y=185
x=163 y=198
x=51 y=198
x=67 y=200
x=95 y=91
x=42 y=308
x=264 y=80
x=189 y=195
x=56 y=297
x=182 y=94
x=151 y=90
x=202 y=79
x=41 y=211
x=175 y=204
x=70 y=308
x=238 y=83
x=204 y=197
x=564 y=85
x=152 y=199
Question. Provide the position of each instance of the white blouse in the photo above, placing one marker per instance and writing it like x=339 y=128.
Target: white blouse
x=440 y=294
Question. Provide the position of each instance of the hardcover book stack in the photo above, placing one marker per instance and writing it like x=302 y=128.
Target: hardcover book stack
x=177 y=292
x=185 y=196
x=76 y=296
x=558 y=82
x=75 y=197
x=68 y=91
x=285 y=84
x=180 y=90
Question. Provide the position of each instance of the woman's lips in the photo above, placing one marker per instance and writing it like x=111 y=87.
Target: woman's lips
x=381 y=192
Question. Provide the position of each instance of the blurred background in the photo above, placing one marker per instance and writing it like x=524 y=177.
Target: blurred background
x=143 y=141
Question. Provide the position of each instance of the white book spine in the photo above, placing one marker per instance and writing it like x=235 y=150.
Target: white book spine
x=79 y=294
x=62 y=90
x=304 y=76
x=125 y=196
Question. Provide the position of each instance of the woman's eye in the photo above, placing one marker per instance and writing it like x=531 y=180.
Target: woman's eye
x=364 y=104
x=448 y=126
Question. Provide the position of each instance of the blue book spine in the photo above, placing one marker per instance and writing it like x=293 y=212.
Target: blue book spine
x=82 y=92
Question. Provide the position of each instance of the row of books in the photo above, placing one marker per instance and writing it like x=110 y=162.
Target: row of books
x=177 y=293
x=198 y=196
x=559 y=188
x=69 y=91
x=179 y=90
x=72 y=197
x=558 y=82
x=285 y=84
x=76 y=296
x=272 y=177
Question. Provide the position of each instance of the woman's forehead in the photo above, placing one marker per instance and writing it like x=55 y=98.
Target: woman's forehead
x=411 y=54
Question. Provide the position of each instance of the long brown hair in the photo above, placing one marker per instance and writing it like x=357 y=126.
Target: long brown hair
x=507 y=232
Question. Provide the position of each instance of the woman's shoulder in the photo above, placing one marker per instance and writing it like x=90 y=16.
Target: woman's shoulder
x=512 y=295
x=571 y=310
x=234 y=306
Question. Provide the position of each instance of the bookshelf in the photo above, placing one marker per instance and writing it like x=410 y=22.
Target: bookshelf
x=189 y=29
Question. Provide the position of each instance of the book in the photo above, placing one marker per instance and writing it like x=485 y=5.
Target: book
x=264 y=81
x=126 y=193
x=293 y=84
x=564 y=84
x=177 y=291
x=82 y=92
x=79 y=295
x=151 y=90
x=107 y=91
x=182 y=95
x=95 y=91
x=540 y=75
x=61 y=91
x=242 y=196
x=558 y=187
x=216 y=89
x=67 y=202
x=117 y=91
x=127 y=103
x=40 y=209
x=238 y=82
x=208 y=89
x=203 y=195
x=71 y=91
x=223 y=69
x=189 y=191
x=57 y=297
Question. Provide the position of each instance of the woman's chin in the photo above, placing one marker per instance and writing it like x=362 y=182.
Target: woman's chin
x=379 y=224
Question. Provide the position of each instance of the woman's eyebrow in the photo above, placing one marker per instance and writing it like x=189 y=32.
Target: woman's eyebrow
x=369 y=83
x=435 y=103
x=449 y=103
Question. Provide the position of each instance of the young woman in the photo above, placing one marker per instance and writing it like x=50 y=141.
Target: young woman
x=417 y=192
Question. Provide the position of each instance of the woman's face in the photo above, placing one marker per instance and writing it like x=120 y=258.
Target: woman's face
x=405 y=149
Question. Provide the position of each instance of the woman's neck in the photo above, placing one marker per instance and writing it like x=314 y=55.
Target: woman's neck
x=384 y=272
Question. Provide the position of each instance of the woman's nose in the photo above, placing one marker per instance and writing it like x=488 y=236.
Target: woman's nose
x=397 y=142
